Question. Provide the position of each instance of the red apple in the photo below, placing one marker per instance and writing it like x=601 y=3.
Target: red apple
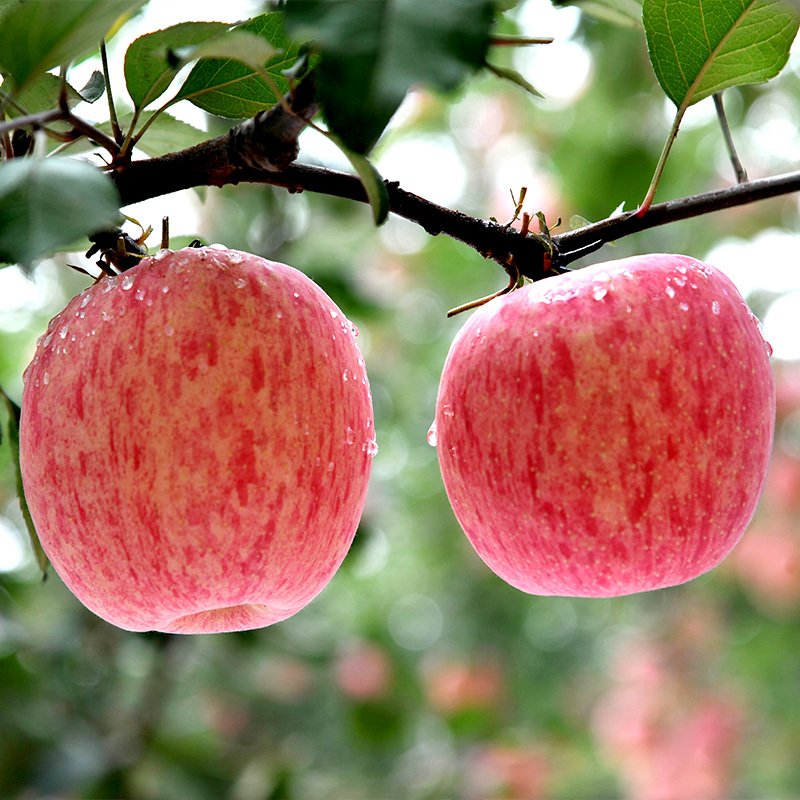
x=196 y=439
x=607 y=431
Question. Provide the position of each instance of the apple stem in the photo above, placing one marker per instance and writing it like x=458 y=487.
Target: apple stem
x=513 y=282
x=738 y=168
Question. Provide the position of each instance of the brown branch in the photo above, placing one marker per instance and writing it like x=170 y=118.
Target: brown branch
x=261 y=150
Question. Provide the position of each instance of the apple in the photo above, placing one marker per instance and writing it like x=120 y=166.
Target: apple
x=607 y=431
x=195 y=442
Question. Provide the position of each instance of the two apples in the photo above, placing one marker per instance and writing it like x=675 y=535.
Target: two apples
x=197 y=435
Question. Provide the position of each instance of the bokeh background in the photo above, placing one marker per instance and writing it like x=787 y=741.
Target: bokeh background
x=417 y=673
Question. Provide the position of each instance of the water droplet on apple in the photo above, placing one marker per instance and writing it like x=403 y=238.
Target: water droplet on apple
x=715 y=306
x=169 y=330
x=240 y=283
x=164 y=289
x=47 y=339
x=353 y=329
x=107 y=317
x=670 y=291
x=217 y=246
x=86 y=300
x=345 y=374
x=46 y=378
x=127 y=282
x=279 y=314
x=349 y=436
x=62 y=334
x=683 y=306
x=109 y=283
x=330 y=466
x=599 y=292
x=333 y=314
x=234 y=257
x=679 y=280
x=768 y=348
x=163 y=253
x=430 y=437
x=447 y=410
x=295 y=294
x=139 y=294
x=370 y=447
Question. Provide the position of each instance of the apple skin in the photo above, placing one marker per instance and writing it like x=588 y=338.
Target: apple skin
x=195 y=442
x=607 y=431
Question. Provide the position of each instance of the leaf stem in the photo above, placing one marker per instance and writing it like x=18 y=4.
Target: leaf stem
x=662 y=161
x=738 y=169
x=112 y=110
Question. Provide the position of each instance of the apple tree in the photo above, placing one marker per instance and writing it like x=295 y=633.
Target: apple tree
x=190 y=437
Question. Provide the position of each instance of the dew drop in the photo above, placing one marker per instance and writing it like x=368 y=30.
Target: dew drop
x=139 y=294
x=370 y=447
x=62 y=334
x=240 y=283
x=333 y=314
x=345 y=374
x=164 y=289
x=330 y=466
x=353 y=329
x=46 y=378
x=349 y=436
x=106 y=315
x=127 y=282
x=683 y=306
x=86 y=300
x=47 y=339
x=670 y=291
x=447 y=410
x=217 y=246
x=163 y=253
x=768 y=348
x=109 y=283
x=279 y=314
x=234 y=257
x=715 y=306
x=599 y=292
x=295 y=294
x=679 y=280
x=169 y=330
x=431 y=435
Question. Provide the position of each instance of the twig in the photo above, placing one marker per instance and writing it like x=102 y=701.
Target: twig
x=112 y=110
x=738 y=169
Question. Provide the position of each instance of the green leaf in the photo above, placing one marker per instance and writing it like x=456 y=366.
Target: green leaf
x=14 y=413
x=372 y=181
x=38 y=36
x=625 y=13
x=51 y=202
x=149 y=70
x=372 y=53
x=164 y=135
x=42 y=95
x=94 y=88
x=700 y=47
x=235 y=45
x=230 y=89
x=511 y=75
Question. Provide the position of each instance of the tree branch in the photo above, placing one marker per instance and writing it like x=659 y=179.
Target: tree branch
x=261 y=150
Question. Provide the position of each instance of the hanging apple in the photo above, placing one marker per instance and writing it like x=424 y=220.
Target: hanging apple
x=195 y=442
x=607 y=431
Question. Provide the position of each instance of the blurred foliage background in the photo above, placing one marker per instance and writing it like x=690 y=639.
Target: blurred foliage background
x=417 y=673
